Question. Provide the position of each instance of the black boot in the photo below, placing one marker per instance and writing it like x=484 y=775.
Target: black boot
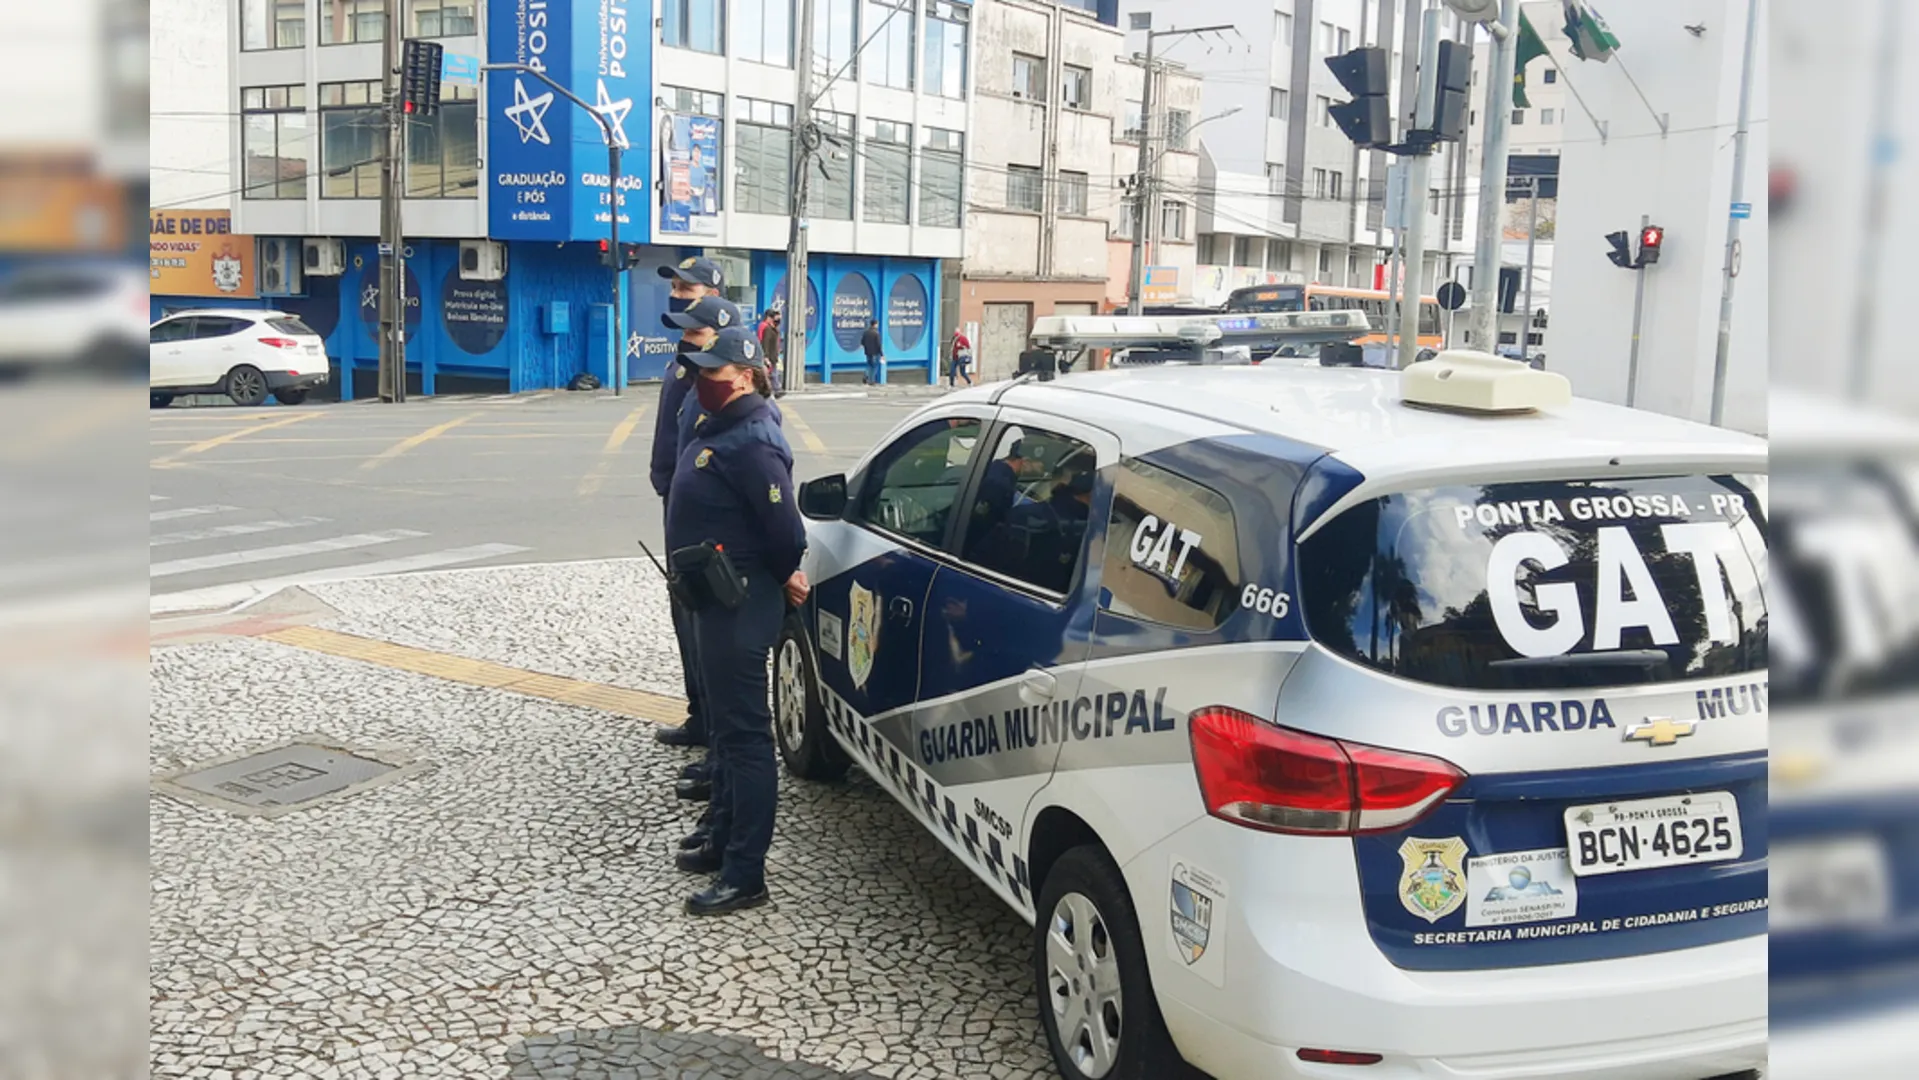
x=694 y=790
x=701 y=833
x=683 y=735
x=720 y=898
x=705 y=859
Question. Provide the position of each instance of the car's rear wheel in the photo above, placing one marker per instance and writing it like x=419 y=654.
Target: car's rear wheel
x=159 y=401
x=246 y=386
x=799 y=720
x=1096 y=995
x=290 y=397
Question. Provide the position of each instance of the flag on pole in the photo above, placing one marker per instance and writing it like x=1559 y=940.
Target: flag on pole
x=1530 y=49
x=1591 y=38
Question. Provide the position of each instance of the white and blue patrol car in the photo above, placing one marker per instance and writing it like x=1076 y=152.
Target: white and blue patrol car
x=1323 y=722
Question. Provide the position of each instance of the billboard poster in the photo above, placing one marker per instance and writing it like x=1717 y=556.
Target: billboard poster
x=546 y=159
x=852 y=310
x=689 y=175
x=906 y=312
x=195 y=253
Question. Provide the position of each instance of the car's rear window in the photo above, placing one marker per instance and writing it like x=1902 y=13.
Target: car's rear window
x=1546 y=584
x=287 y=324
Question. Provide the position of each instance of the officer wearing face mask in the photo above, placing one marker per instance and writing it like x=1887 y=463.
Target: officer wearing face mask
x=731 y=519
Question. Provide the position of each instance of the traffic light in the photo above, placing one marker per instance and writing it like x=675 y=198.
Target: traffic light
x=1366 y=119
x=1650 y=238
x=606 y=253
x=1449 y=103
x=421 y=63
x=629 y=255
x=1621 y=253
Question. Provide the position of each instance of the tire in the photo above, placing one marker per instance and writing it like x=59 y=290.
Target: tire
x=290 y=397
x=1090 y=969
x=245 y=385
x=159 y=401
x=799 y=720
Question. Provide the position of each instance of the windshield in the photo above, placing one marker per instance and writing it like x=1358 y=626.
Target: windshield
x=1546 y=584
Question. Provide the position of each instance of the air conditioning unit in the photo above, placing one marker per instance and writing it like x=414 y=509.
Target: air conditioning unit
x=279 y=268
x=324 y=257
x=482 y=260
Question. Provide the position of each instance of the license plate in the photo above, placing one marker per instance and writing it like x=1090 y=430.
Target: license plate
x=313 y=350
x=1829 y=884
x=1645 y=834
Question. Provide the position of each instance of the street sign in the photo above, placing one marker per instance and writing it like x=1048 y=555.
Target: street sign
x=1742 y=209
x=460 y=68
x=386 y=249
x=1396 y=196
x=1451 y=296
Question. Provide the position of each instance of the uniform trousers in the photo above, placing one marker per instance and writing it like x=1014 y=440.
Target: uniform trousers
x=732 y=647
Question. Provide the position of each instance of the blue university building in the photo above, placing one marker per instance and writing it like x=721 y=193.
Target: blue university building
x=507 y=194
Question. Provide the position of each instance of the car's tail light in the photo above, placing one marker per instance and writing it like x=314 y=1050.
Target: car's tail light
x=1262 y=776
x=281 y=342
x=1340 y=1057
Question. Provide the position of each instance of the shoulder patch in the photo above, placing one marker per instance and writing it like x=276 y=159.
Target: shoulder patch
x=706 y=455
x=679 y=371
x=772 y=493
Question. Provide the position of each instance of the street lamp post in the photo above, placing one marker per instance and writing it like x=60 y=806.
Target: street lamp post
x=615 y=142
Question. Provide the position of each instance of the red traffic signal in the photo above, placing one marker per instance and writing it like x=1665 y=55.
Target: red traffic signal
x=1650 y=238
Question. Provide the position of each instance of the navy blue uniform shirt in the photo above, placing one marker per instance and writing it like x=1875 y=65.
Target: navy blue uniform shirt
x=666 y=426
x=733 y=485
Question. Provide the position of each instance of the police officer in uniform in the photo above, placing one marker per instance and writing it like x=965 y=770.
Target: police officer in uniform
x=690 y=280
x=733 y=491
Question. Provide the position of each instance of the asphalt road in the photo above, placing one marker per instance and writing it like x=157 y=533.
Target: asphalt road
x=275 y=494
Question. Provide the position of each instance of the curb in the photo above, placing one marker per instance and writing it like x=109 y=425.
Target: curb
x=238 y=596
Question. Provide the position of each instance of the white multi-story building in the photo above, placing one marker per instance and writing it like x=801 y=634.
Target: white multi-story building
x=1284 y=196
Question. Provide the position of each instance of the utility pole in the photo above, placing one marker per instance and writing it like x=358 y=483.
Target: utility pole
x=392 y=378
x=1418 y=173
x=1142 y=183
x=1484 y=323
x=1532 y=231
x=794 y=324
x=1722 y=350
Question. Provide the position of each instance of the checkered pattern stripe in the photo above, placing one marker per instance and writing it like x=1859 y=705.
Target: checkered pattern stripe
x=946 y=817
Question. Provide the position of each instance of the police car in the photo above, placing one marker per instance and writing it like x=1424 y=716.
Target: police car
x=1322 y=721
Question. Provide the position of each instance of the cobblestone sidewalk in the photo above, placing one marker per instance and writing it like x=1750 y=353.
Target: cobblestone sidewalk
x=511 y=909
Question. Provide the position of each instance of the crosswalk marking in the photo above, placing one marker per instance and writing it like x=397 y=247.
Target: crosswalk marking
x=283 y=551
x=158 y=498
x=243 y=528
x=239 y=592
x=187 y=511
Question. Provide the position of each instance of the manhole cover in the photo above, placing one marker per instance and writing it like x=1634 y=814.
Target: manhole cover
x=282 y=778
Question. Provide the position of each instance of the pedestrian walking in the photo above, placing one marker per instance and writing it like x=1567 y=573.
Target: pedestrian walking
x=961 y=364
x=735 y=539
x=770 y=348
x=870 y=343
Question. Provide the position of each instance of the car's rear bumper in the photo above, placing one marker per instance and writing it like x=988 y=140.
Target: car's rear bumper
x=295 y=380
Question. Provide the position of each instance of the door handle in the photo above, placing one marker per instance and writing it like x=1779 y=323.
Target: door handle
x=1037 y=687
x=900 y=608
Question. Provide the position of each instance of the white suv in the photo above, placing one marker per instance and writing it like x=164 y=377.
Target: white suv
x=72 y=314
x=243 y=354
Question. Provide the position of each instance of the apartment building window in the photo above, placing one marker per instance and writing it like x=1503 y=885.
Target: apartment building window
x=889 y=55
x=1279 y=104
x=276 y=141
x=1127 y=220
x=1178 y=123
x=348 y=22
x=1519 y=117
x=352 y=138
x=763 y=31
x=1172 y=220
x=1213 y=249
x=1135 y=123
x=1244 y=253
x=1275 y=179
x=1072 y=194
x=441 y=18
x=889 y=164
x=1323 y=110
x=1432 y=200
x=1282 y=29
x=1325 y=260
x=1319 y=183
x=273 y=24
x=946 y=29
x=1023 y=188
x=1279 y=254
x=1345 y=42
x=1328 y=39
x=764 y=150
x=942 y=169
x=831 y=191
x=1076 y=87
x=1552 y=76
x=699 y=25
x=1139 y=20
x=443 y=150
x=835 y=36
x=1029 y=77
x=1337 y=186
x=1545 y=116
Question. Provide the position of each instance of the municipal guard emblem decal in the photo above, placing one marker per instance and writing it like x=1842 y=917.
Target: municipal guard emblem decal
x=772 y=493
x=706 y=455
x=1434 y=881
x=1192 y=913
x=687 y=264
x=862 y=635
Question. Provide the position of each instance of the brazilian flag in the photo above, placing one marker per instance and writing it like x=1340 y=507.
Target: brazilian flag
x=1530 y=49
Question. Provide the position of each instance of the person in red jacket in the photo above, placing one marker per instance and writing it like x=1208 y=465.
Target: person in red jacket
x=960 y=365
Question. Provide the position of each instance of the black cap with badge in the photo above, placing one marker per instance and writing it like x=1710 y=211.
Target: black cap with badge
x=695 y=271
x=712 y=311
x=733 y=346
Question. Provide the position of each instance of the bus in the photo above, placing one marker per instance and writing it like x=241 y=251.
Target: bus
x=1374 y=303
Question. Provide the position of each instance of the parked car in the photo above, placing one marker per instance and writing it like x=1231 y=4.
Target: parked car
x=71 y=315
x=244 y=354
x=1320 y=719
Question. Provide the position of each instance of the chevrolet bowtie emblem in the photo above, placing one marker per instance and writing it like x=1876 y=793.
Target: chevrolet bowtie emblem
x=1659 y=730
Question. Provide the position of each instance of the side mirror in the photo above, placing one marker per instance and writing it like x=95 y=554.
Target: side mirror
x=824 y=499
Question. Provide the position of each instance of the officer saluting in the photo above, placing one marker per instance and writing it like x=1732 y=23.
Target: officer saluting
x=735 y=537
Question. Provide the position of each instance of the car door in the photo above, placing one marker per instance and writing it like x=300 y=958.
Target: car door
x=896 y=523
x=167 y=351
x=216 y=347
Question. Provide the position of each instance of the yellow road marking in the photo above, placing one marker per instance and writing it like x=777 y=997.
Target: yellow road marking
x=806 y=432
x=412 y=441
x=63 y=428
x=204 y=445
x=595 y=478
x=623 y=431
x=638 y=704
